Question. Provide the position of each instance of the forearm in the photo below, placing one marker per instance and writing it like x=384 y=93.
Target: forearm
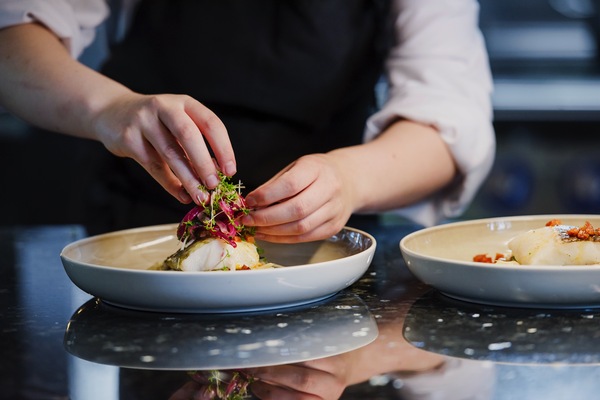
x=404 y=164
x=42 y=84
x=389 y=353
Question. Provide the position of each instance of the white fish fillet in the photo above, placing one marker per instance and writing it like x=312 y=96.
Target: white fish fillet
x=551 y=245
x=211 y=254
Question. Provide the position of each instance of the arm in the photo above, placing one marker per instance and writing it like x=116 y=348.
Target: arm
x=426 y=151
x=439 y=75
x=41 y=83
x=405 y=163
x=327 y=378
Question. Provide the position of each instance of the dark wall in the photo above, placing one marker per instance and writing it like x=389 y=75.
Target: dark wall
x=40 y=173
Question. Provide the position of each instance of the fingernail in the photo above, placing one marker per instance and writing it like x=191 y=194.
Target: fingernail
x=202 y=197
x=184 y=196
x=250 y=202
x=247 y=220
x=212 y=181
x=230 y=168
x=259 y=236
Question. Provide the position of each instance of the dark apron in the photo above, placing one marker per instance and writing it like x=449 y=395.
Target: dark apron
x=287 y=78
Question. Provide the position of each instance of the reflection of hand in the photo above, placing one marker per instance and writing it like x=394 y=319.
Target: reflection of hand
x=311 y=199
x=318 y=379
x=191 y=390
x=168 y=136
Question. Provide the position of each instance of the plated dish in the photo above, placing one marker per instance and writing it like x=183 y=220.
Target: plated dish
x=442 y=256
x=114 y=267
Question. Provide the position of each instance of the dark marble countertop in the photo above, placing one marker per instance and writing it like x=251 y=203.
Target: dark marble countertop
x=403 y=339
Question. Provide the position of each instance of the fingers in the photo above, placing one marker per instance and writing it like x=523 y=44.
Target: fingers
x=159 y=169
x=169 y=135
x=295 y=208
x=189 y=127
x=167 y=162
x=287 y=187
x=191 y=390
x=215 y=133
x=267 y=391
x=296 y=382
x=304 y=202
x=295 y=233
x=314 y=225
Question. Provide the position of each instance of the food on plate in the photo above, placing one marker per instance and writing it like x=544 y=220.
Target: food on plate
x=212 y=236
x=487 y=258
x=214 y=254
x=553 y=244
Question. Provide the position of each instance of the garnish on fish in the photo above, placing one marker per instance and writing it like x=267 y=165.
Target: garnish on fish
x=213 y=237
x=553 y=244
x=220 y=217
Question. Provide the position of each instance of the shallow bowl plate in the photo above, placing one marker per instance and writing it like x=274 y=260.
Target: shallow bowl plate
x=441 y=256
x=114 y=267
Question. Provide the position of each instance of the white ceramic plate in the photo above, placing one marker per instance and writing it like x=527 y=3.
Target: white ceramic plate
x=441 y=256
x=114 y=267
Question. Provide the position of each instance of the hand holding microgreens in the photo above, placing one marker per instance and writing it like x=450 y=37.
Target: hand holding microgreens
x=218 y=217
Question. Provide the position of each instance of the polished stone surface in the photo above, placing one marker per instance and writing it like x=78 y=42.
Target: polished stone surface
x=58 y=342
x=195 y=342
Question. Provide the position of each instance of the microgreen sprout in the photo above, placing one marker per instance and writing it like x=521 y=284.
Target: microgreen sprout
x=219 y=216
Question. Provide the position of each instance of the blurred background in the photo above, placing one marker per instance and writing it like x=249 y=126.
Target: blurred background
x=545 y=57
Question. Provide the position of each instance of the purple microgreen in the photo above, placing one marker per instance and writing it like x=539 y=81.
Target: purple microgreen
x=218 y=217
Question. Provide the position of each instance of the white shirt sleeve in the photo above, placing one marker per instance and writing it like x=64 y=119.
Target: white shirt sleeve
x=73 y=21
x=438 y=73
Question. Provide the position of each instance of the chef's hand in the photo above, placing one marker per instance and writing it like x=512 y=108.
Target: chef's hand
x=314 y=197
x=168 y=135
x=311 y=199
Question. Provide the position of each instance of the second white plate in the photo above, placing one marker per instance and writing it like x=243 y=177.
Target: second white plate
x=442 y=256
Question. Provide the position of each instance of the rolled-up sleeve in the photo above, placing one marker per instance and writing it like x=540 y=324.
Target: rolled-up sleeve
x=73 y=21
x=439 y=75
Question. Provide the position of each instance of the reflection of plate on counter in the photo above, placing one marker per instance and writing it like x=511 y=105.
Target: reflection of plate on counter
x=104 y=334
x=510 y=335
x=114 y=267
x=442 y=256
